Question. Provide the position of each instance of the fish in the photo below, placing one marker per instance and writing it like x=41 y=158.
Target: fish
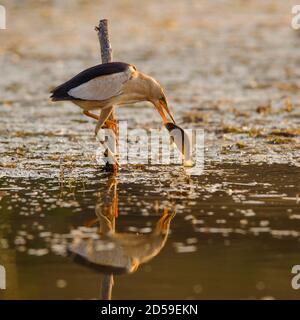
x=182 y=142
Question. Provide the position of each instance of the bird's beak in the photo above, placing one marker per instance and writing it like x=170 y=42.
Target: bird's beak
x=162 y=106
x=163 y=223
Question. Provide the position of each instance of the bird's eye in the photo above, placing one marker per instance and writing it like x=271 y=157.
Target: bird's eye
x=163 y=100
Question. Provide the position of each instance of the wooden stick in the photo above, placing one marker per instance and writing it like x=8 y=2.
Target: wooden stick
x=106 y=56
x=106 y=50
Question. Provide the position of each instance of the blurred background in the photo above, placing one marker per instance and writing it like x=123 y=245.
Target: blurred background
x=230 y=67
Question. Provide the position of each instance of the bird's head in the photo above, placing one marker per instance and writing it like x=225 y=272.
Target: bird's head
x=158 y=98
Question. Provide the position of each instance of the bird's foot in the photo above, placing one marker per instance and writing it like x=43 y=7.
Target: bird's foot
x=111 y=124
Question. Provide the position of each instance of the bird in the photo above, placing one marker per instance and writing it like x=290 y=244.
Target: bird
x=112 y=84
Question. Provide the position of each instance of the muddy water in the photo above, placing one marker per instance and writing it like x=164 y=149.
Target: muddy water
x=229 y=67
x=235 y=234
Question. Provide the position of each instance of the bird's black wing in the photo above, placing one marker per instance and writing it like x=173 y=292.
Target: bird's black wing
x=61 y=92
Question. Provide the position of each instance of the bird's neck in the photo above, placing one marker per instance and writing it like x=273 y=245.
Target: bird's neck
x=137 y=89
x=147 y=86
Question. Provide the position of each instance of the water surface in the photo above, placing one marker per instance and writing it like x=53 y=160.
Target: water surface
x=228 y=67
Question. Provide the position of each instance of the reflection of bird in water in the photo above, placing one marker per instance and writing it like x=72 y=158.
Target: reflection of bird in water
x=114 y=252
x=111 y=84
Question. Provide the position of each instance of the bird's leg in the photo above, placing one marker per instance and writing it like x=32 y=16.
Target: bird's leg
x=90 y=114
x=112 y=188
x=105 y=113
x=114 y=207
x=109 y=124
x=102 y=121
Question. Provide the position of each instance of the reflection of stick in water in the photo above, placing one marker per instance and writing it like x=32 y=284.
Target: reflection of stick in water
x=106 y=287
x=84 y=246
x=111 y=211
